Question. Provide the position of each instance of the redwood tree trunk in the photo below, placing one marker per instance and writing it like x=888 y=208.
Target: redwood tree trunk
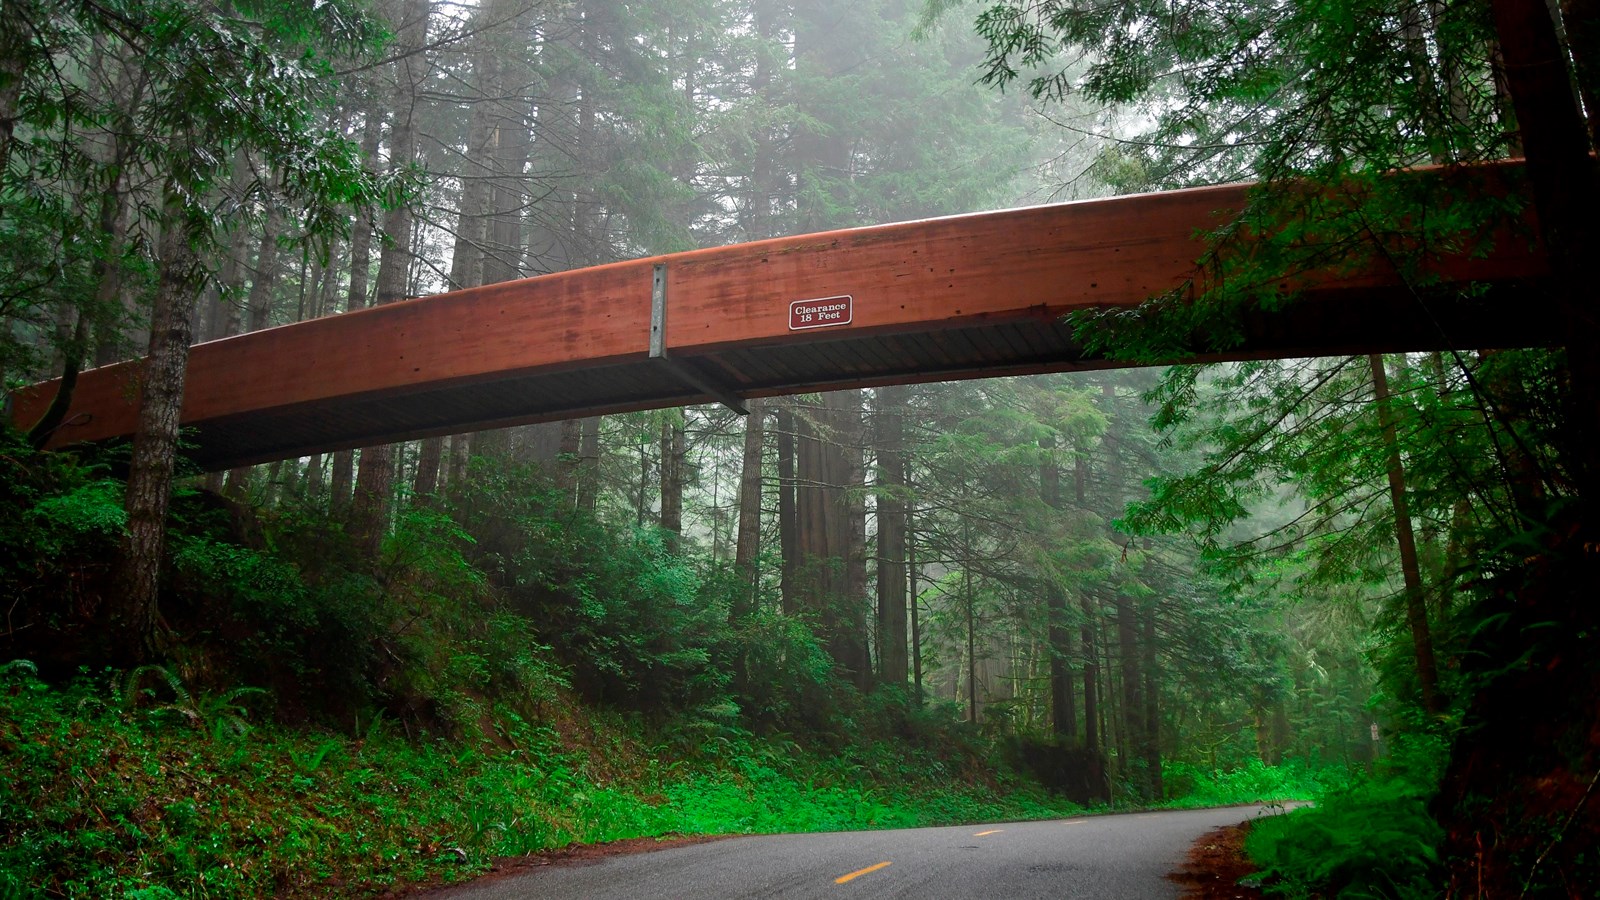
x=369 y=518
x=856 y=643
x=1151 y=751
x=1063 y=707
x=788 y=516
x=916 y=617
x=588 y=463
x=672 y=454
x=1131 y=732
x=891 y=497
x=341 y=470
x=1091 y=666
x=747 y=551
x=827 y=541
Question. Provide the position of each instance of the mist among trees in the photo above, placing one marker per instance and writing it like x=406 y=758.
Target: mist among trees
x=1361 y=578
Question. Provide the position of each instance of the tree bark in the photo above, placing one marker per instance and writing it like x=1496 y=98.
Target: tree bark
x=1151 y=751
x=426 y=485
x=369 y=512
x=341 y=478
x=747 y=550
x=1063 y=707
x=970 y=602
x=1131 y=732
x=854 y=615
x=1091 y=665
x=788 y=515
x=266 y=271
x=1416 y=601
x=467 y=256
x=916 y=604
x=134 y=617
x=891 y=498
x=588 y=463
x=827 y=548
x=1566 y=192
x=16 y=48
x=672 y=459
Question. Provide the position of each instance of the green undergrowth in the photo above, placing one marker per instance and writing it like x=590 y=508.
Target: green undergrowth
x=1372 y=837
x=128 y=786
x=1193 y=787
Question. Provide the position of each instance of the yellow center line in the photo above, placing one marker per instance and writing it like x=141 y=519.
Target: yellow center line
x=989 y=832
x=860 y=872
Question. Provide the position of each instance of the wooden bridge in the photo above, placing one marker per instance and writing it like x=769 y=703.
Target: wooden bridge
x=958 y=297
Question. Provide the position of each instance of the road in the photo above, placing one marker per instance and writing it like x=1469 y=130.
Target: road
x=1120 y=857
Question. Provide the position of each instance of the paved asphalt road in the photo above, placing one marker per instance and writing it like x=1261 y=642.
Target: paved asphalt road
x=1123 y=857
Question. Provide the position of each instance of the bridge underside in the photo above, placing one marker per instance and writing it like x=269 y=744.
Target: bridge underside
x=966 y=296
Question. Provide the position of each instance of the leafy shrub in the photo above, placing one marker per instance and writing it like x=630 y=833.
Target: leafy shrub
x=1253 y=782
x=85 y=516
x=1374 y=838
x=60 y=520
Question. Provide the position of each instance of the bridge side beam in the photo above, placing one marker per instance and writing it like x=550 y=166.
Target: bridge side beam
x=658 y=348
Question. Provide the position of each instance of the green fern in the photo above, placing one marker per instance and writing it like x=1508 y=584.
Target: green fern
x=11 y=888
x=130 y=691
x=18 y=670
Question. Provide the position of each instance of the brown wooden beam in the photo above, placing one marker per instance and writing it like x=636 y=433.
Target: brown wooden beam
x=964 y=296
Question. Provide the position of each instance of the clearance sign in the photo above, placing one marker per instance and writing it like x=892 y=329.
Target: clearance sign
x=821 y=313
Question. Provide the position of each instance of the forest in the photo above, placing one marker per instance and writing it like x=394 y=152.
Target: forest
x=1364 y=581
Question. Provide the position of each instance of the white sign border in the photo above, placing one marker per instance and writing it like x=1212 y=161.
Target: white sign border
x=795 y=303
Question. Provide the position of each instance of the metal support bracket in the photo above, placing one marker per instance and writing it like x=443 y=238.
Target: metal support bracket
x=658 y=348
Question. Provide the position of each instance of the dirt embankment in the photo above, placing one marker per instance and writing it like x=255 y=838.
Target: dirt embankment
x=1215 y=864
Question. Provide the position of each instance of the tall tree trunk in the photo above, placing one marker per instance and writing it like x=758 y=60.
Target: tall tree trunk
x=1566 y=191
x=16 y=47
x=1131 y=731
x=110 y=293
x=429 y=457
x=762 y=185
x=827 y=538
x=341 y=477
x=1063 y=711
x=788 y=514
x=1133 y=707
x=73 y=347
x=312 y=485
x=266 y=270
x=854 y=614
x=478 y=165
x=1416 y=600
x=588 y=463
x=822 y=143
x=375 y=478
x=747 y=551
x=1091 y=666
x=1581 y=22
x=891 y=498
x=1152 y=705
x=134 y=618
x=916 y=604
x=970 y=603
x=672 y=459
